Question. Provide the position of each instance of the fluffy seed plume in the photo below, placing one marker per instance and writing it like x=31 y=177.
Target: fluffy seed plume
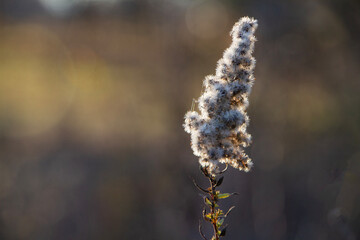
x=219 y=130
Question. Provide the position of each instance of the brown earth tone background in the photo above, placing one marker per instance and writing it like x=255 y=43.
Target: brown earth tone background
x=92 y=98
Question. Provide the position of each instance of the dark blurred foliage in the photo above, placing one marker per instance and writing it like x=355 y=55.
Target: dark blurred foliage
x=92 y=98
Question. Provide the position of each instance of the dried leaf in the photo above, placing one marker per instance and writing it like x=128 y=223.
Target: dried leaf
x=219 y=182
x=226 y=195
x=220 y=222
x=230 y=209
x=223 y=232
x=207 y=201
x=205 y=172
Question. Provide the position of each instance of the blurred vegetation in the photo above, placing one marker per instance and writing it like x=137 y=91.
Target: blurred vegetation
x=92 y=98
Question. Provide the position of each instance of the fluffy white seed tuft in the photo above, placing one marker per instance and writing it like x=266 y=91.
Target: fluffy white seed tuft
x=219 y=131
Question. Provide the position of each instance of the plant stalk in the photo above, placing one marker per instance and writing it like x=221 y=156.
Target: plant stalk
x=213 y=200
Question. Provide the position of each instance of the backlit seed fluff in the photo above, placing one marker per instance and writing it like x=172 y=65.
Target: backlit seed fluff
x=219 y=130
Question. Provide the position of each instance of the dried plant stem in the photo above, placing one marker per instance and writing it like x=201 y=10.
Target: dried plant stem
x=213 y=200
x=215 y=215
x=219 y=128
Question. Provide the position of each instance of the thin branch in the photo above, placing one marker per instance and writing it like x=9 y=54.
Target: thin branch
x=201 y=232
x=230 y=209
x=224 y=170
x=198 y=187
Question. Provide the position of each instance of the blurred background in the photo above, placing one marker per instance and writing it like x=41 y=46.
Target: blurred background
x=92 y=99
